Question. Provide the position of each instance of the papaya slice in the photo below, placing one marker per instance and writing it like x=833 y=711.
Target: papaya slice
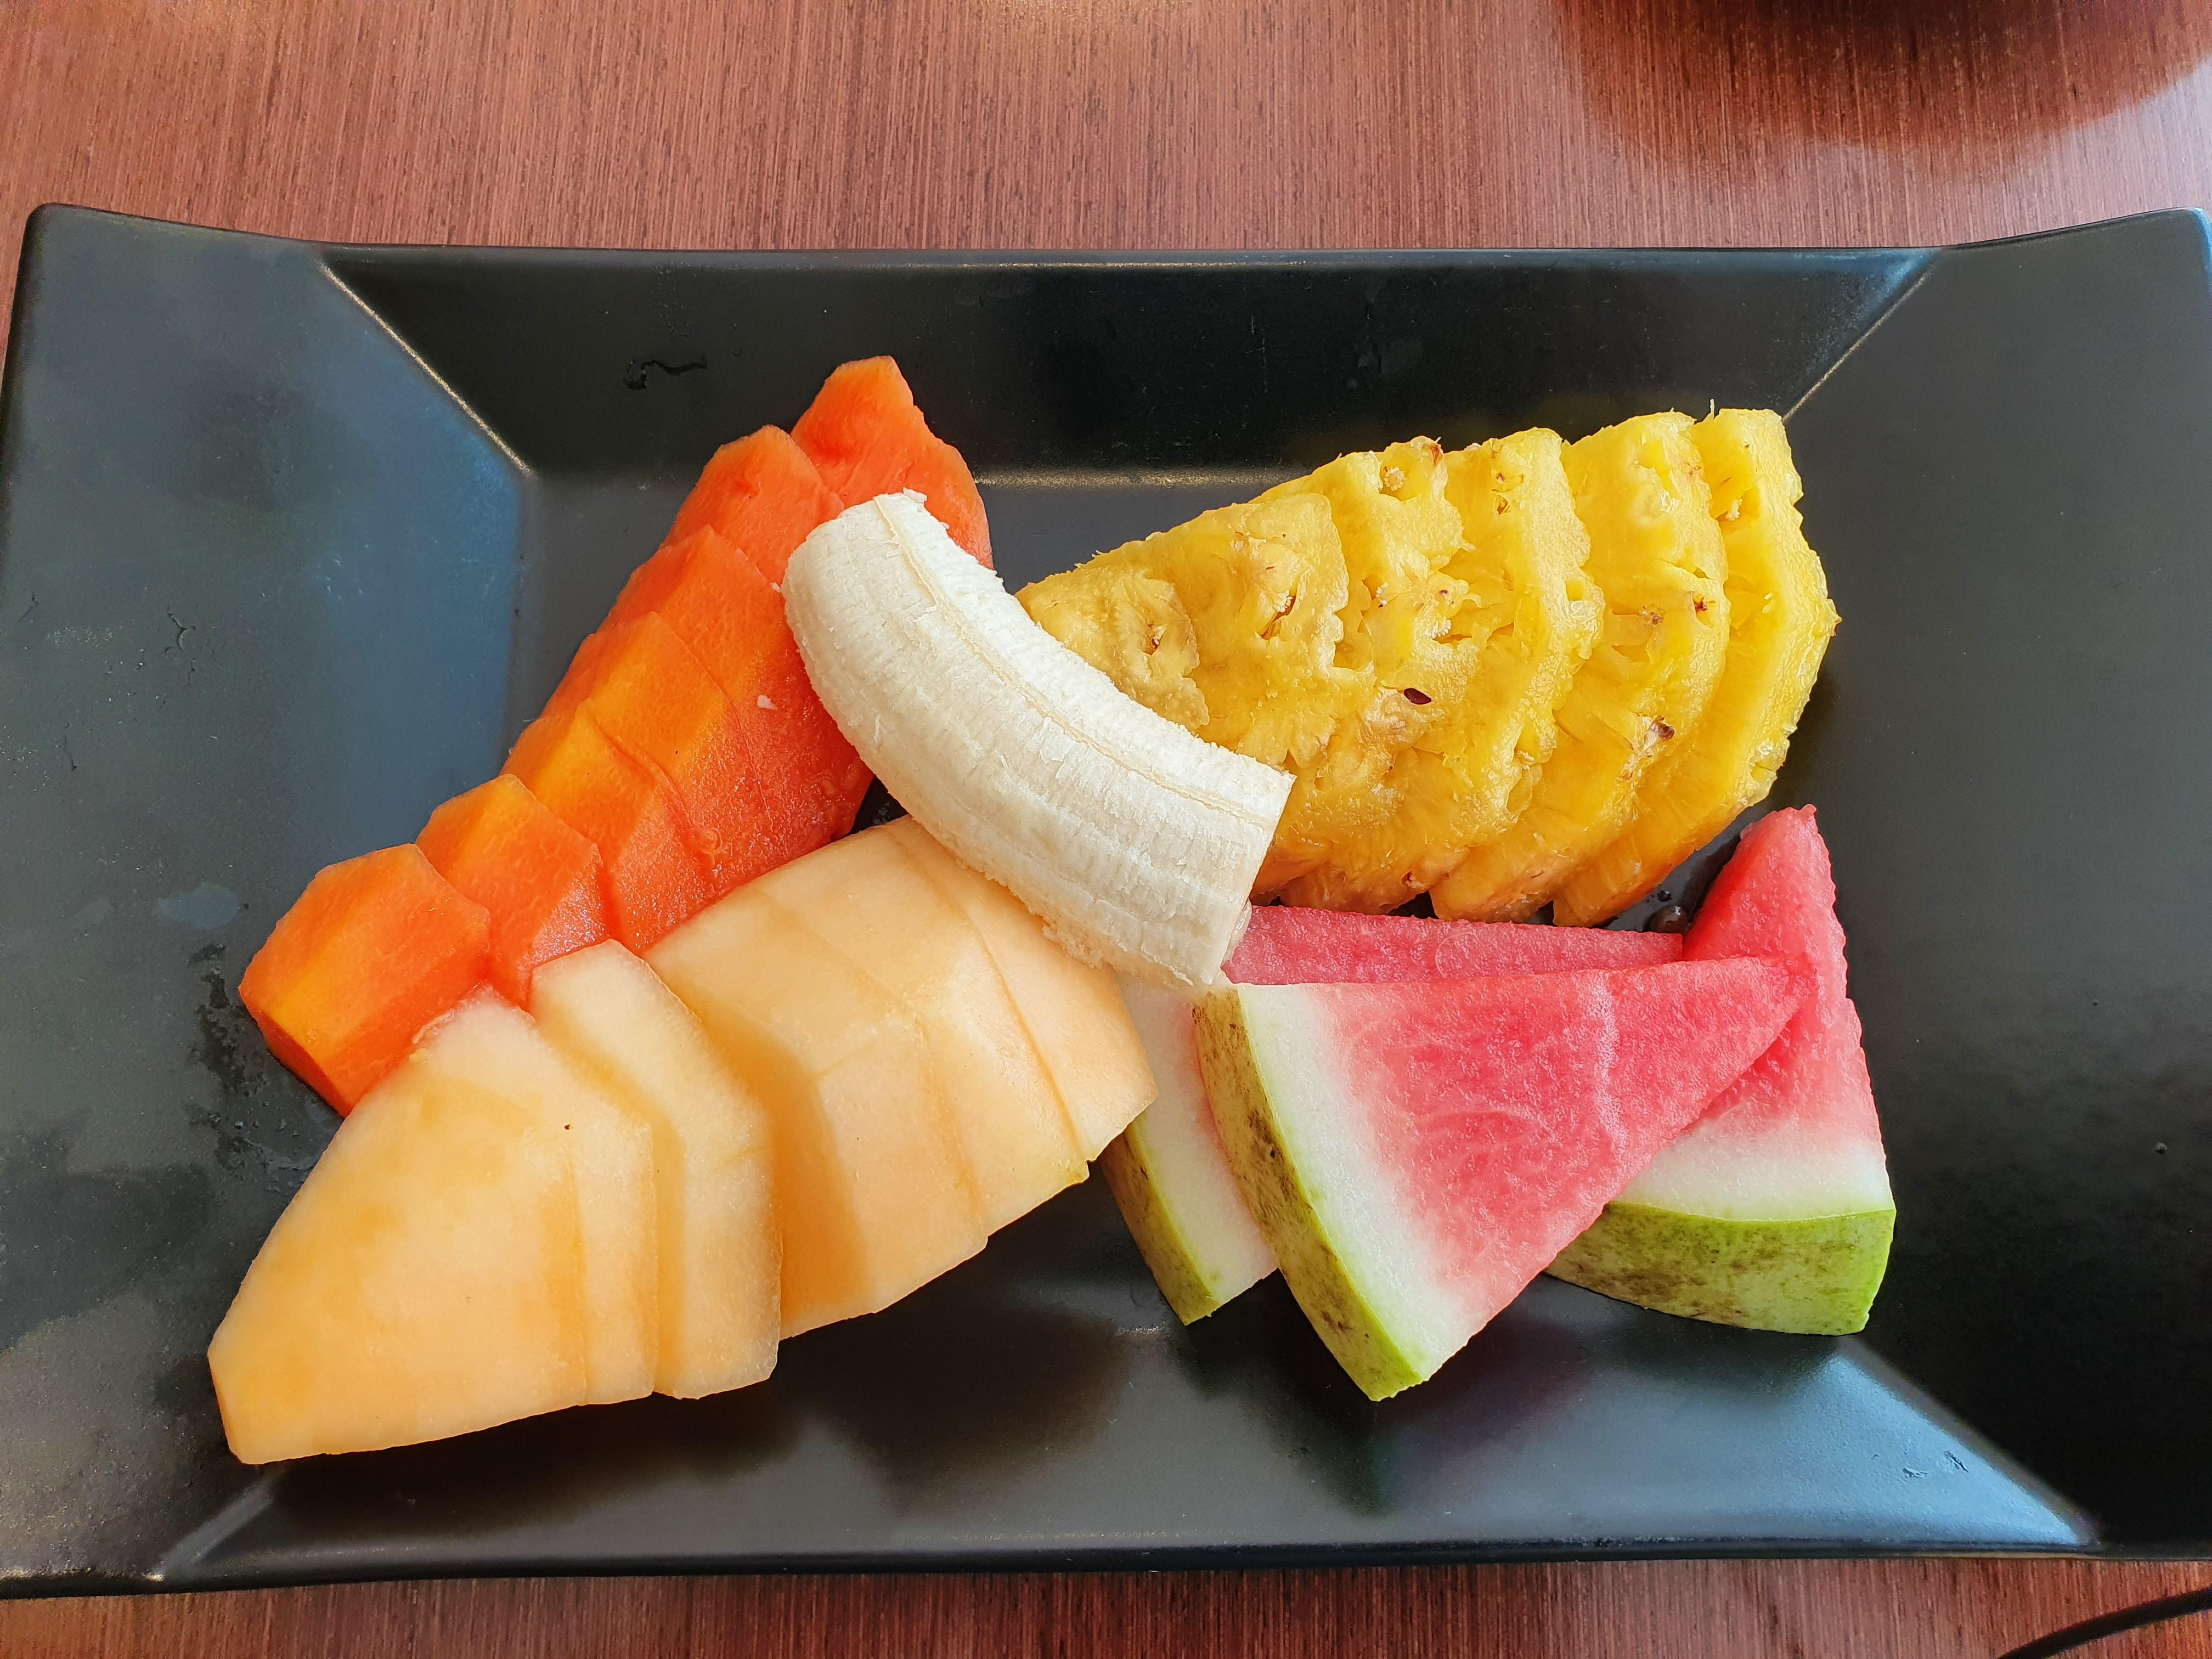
x=537 y=879
x=656 y=699
x=374 y=949
x=762 y=493
x=654 y=877
x=718 y=603
x=867 y=438
x=807 y=781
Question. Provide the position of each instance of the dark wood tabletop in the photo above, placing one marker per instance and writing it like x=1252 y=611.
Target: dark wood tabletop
x=1111 y=124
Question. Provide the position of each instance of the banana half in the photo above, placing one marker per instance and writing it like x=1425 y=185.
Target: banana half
x=1135 y=841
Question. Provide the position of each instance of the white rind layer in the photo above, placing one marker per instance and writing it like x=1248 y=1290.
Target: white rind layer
x=1181 y=1150
x=1356 y=1201
x=1782 y=1173
x=1136 y=842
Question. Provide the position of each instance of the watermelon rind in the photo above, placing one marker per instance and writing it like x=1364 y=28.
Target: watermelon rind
x=1323 y=1208
x=1816 y=1276
x=1167 y=1172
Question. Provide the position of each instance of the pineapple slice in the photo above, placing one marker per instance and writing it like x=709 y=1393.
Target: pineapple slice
x=1534 y=615
x=1656 y=555
x=1227 y=625
x=1286 y=628
x=1779 y=623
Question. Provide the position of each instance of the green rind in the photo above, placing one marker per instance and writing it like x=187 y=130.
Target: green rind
x=1287 y=1210
x=1816 y=1277
x=1166 y=1250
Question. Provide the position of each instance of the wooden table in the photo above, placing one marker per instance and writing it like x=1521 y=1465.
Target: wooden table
x=1121 y=124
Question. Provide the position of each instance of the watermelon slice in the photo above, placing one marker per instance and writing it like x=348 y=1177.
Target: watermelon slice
x=1416 y=1152
x=1168 y=1171
x=1290 y=945
x=1775 y=1210
x=1169 y=1177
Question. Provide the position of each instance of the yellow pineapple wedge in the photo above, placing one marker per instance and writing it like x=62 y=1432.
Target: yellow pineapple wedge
x=1532 y=616
x=1656 y=556
x=1347 y=628
x=1779 y=623
x=1228 y=625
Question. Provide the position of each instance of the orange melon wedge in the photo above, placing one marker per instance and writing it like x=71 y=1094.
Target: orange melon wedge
x=872 y=1188
x=719 y=1249
x=476 y=1245
x=1072 y=1011
x=490 y=1046
x=872 y=905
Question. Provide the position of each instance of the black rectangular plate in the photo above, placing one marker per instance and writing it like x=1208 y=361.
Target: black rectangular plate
x=293 y=538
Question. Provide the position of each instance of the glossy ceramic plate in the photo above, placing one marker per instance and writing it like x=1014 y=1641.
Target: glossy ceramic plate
x=293 y=539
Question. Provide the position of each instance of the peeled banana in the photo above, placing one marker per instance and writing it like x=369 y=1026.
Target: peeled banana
x=1135 y=841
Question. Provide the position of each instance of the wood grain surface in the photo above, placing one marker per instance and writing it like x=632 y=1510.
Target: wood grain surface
x=1120 y=124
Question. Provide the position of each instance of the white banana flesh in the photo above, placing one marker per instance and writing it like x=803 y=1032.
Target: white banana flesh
x=1135 y=841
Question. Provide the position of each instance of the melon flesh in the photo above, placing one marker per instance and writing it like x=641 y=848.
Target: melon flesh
x=1072 y=1010
x=1416 y=1152
x=1288 y=945
x=491 y=1046
x=1774 y=1211
x=427 y=1279
x=872 y=1194
x=719 y=1251
x=1171 y=1177
x=870 y=903
x=1168 y=1171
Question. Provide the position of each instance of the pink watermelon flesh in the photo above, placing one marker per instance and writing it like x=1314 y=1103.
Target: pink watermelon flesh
x=1289 y=944
x=1416 y=1152
x=1797 y=1135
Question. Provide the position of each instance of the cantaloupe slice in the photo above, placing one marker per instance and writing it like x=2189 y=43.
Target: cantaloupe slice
x=867 y=437
x=537 y=878
x=762 y=493
x=655 y=875
x=376 y=949
x=872 y=904
x=425 y=1281
x=490 y=1047
x=476 y=1244
x=719 y=1252
x=1073 y=1011
x=871 y=1189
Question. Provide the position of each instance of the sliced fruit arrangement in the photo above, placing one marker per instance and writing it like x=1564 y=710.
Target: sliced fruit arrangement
x=651 y=1064
x=1135 y=840
x=1168 y=1171
x=683 y=753
x=1775 y=1210
x=1489 y=671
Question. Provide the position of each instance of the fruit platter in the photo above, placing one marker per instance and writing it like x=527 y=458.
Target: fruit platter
x=957 y=918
